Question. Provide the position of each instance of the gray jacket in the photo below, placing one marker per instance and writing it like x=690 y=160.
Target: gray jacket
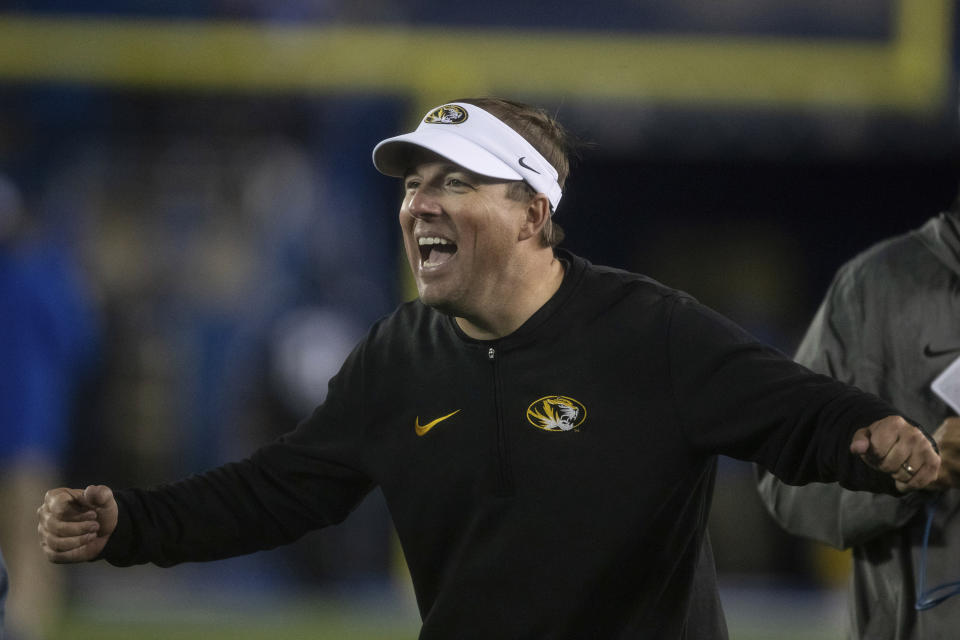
x=890 y=324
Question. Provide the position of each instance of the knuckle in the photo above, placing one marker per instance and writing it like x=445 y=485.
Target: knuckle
x=63 y=544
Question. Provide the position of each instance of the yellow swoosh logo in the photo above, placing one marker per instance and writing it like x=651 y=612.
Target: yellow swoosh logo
x=422 y=429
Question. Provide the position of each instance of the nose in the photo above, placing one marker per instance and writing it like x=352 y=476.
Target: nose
x=422 y=203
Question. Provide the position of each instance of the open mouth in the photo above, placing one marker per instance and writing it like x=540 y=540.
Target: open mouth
x=434 y=250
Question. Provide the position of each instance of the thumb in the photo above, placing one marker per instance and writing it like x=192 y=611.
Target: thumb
x=861 y=442
x=98 y=496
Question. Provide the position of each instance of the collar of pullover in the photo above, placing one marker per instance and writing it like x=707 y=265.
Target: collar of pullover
x=538 y=325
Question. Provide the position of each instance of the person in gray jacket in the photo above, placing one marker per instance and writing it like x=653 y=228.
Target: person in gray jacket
x=889 y=325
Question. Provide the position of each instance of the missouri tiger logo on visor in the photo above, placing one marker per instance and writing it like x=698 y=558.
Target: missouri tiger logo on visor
x=447 y=114
x=556 y=413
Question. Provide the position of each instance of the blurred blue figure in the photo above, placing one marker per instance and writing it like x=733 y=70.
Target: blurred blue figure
x=47 y=339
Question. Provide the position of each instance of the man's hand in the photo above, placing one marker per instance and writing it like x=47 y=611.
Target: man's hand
x=947 y=437
x=898 y=448
x=75 y=524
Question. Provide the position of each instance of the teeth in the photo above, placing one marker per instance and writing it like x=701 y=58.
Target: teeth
x=429 y=241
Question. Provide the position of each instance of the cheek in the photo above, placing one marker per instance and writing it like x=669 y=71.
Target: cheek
x=498 y=234
x=406 y=232
x=406 y=222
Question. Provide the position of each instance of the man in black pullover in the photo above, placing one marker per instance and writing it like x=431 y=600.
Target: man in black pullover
x=545 y=431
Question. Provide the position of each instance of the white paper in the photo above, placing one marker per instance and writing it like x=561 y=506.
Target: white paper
x=947 y=385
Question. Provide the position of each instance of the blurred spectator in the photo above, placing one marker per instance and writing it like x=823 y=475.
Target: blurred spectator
x=47 y=338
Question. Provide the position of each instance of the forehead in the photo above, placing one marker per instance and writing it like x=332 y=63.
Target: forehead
x=427 y=164
x=421 y=160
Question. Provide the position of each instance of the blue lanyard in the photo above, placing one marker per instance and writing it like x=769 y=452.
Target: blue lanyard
x=931 y=598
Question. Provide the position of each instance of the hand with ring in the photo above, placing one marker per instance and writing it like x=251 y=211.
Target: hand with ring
x=896 y=447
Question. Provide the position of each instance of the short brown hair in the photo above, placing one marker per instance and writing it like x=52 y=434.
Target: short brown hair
x=546 y=135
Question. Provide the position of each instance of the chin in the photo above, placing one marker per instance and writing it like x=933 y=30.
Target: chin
x=443 y=306
x=441 y=303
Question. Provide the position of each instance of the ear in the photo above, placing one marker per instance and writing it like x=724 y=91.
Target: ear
x=537 y=214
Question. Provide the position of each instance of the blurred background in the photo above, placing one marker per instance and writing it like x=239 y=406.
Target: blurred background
x=192 y=236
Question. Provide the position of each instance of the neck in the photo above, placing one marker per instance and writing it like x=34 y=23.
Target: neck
x=533 y=289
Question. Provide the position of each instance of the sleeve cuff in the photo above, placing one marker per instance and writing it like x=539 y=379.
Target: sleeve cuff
x=118 y=546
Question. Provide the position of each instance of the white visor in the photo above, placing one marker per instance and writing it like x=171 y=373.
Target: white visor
x=477 y=141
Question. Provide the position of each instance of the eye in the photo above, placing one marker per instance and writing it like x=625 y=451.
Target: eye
x=457 y=183
x=411 y=184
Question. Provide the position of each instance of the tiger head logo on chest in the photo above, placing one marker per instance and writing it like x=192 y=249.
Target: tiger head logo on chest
x=556 y=413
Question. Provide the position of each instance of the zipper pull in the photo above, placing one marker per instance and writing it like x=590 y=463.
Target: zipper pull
x=491 y=353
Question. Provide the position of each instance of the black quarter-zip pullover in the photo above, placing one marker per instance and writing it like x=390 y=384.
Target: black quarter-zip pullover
x=562 y=481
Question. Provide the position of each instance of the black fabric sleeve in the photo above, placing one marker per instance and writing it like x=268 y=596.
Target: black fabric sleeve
x=738 y=397
x=310 y=478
